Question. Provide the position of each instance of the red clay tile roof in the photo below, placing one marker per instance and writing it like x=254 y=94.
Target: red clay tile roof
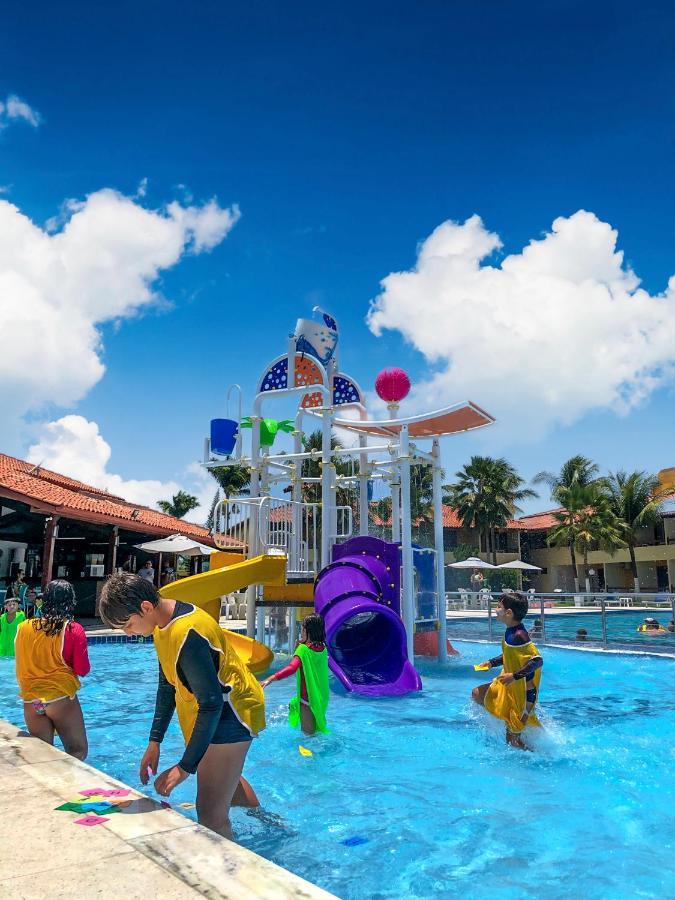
x=10 y=465
x=56 y=494
x=539 y=521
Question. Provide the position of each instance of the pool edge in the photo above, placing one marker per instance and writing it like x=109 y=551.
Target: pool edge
x=168 y=853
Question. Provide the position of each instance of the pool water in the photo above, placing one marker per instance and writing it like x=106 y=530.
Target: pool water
x=419 y=796
x=562 y=627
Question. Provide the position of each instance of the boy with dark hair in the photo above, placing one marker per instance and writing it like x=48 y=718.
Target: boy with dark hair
x=512 y=695
x=220 y=704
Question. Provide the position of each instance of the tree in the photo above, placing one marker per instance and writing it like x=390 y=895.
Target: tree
x=179 y=505
x=211 y=518
x=635 y=499
x=232 y=480
x=586 y=520
x=578 y=470
x=485 y=496
x=422 y=494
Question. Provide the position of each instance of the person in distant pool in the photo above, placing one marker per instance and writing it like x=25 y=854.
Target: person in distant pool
x=652 y=627
x=512 y=695
x=671 y=625
x=582 y=634
x=9 y=622
x=536 y=628
x=310 y=662
x=220 y=704
x=51 y=657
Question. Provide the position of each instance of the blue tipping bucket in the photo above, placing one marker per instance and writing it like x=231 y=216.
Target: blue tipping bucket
x=223 y=436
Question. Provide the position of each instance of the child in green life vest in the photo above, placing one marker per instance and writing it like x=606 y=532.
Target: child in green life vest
x=310 y=663
x=9 y=622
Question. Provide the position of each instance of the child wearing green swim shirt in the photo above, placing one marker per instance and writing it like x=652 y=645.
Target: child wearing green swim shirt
x=310 y=663
x=9 y=622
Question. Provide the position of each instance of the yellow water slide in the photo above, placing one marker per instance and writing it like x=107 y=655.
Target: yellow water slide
x=206 y=589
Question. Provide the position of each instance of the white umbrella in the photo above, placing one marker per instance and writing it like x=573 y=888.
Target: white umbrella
x=176 y=543
x=519 y=564
x=472 y=563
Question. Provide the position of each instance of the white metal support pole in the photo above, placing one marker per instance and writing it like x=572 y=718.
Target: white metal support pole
x=251 y=590
x=440 y=555
x=290 y=371
x=407 y=603
x=326 y=480
x=363 y=487
x=264 y=492
x=296 y=496
x=396 y=503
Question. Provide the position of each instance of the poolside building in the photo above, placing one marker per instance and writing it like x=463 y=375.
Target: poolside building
x=53 y=526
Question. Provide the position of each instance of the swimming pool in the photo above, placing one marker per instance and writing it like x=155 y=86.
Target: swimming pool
x=427 y=783
x=562 y=627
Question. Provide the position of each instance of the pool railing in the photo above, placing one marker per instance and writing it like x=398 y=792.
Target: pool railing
x=597 y=619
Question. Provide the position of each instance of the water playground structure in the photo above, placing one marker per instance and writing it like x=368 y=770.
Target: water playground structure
x=382 y=600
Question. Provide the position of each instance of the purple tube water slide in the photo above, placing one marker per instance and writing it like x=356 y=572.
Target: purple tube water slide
x=359 y=597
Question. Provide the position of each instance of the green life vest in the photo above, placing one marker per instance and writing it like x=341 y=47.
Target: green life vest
x=314 y=666
x=8 y=632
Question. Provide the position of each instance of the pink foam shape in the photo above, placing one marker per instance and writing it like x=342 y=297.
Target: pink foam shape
x=118 y=792
x=95 y=792
x=90 y=821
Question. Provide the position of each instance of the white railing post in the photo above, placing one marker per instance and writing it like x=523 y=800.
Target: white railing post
x=406 y=543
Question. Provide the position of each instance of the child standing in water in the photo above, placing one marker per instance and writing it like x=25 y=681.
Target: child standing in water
x=310 y=662
x=220 y=704
x=9 y=622
x=51 y=654
x=513 y=694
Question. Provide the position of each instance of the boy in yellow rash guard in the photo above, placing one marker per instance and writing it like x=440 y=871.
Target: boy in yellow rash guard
x=513 y=694
x=220 y=704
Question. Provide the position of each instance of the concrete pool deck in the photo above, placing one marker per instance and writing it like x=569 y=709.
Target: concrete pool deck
x=143 y=851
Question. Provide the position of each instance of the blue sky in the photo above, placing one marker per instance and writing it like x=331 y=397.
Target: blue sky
x=346 y=133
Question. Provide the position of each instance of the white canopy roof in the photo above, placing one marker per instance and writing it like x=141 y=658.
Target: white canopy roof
x=449 y=420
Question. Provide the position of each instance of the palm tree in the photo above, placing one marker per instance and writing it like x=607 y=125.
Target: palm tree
x=179 y=505
x=635 y=499
x=422 y=494
x=586 y=520
x=577 y=470
x=486 y=496
x=232 y=480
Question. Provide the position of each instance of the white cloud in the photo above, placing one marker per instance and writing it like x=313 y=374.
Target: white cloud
x=57 y=289
x=74 y=446
x=14 y=109
x=553 y=333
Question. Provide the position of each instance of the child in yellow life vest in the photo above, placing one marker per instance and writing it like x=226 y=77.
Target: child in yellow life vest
x=51 y=656
x=9 y=622
x=220 y=704
x=513 y=694
x=310 y=662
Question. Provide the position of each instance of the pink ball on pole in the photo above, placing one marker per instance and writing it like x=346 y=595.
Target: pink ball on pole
x=392 y=385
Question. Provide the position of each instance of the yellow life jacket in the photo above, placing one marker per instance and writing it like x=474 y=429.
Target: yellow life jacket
x=40 y=669
x=245 y=696
x=507 y=701
x=645 y=630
